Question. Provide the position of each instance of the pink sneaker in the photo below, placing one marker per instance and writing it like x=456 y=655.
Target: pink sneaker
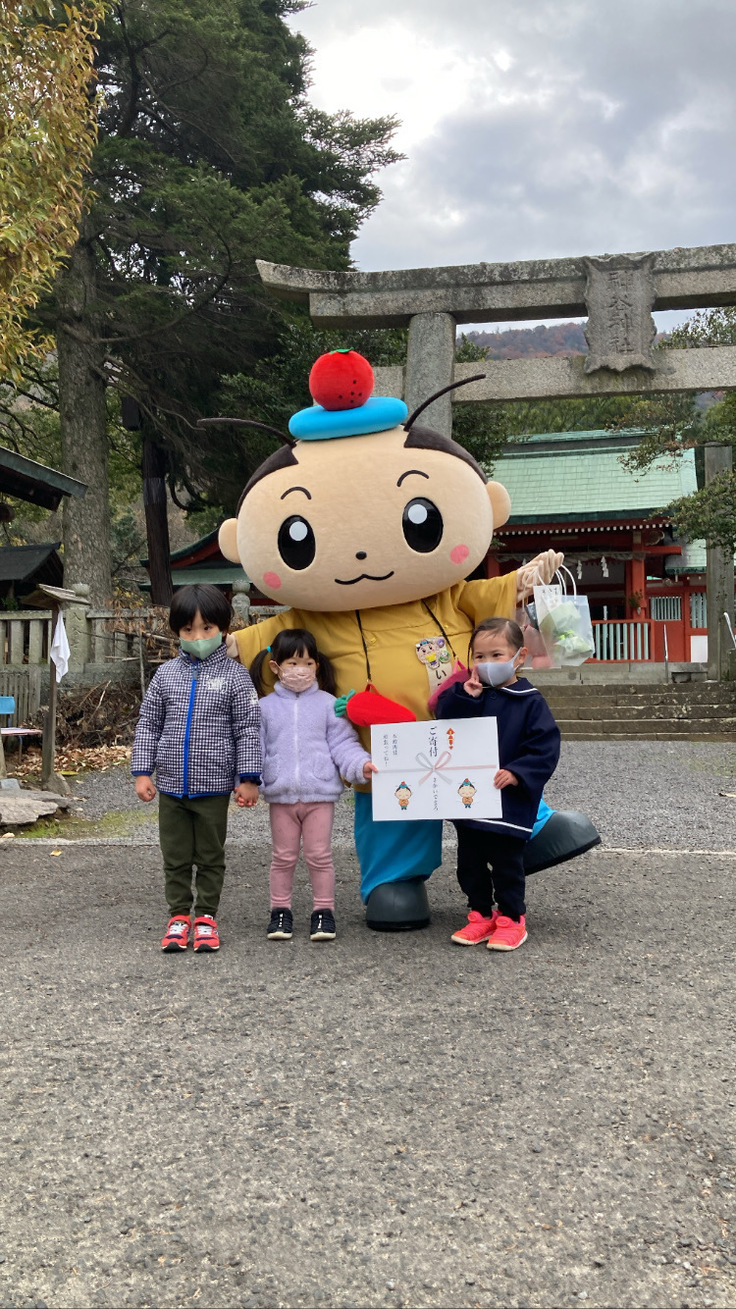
x=508 y=935
x=478 y=929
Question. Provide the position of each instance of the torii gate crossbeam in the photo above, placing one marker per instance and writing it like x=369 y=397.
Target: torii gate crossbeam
x=617 y=293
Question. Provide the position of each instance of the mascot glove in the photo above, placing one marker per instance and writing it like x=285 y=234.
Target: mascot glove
x=538 y=572
x=341 y=704
x=368 y=708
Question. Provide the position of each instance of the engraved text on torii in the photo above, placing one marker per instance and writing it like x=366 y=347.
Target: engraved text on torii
x=619 y=294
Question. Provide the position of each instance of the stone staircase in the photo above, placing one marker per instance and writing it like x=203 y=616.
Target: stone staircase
x=693 y=711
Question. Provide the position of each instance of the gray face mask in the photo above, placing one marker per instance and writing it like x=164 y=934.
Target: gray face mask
x=495 y=673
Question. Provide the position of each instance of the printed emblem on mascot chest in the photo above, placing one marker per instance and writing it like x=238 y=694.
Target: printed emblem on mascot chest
x=433 y=652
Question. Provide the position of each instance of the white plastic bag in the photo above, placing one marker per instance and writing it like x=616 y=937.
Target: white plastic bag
x=564 y=621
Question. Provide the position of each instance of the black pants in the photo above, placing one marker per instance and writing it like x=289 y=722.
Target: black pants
x=477 y=849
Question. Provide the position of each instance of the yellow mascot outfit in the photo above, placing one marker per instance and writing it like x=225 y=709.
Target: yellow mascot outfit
x=367 y=526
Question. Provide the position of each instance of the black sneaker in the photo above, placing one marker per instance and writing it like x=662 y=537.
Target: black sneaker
x=322 y=926
x=281 y=925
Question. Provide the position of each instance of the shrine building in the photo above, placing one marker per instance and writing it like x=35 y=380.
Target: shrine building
x=646 y=588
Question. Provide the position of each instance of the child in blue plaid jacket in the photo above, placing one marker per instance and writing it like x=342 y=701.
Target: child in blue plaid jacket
x=199 y=729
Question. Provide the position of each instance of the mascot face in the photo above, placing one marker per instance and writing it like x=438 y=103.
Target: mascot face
x=363 y=521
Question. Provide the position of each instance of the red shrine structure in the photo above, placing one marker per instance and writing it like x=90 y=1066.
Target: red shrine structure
x=645 y=587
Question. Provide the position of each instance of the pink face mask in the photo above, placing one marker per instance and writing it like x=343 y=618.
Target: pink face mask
x=297 y=679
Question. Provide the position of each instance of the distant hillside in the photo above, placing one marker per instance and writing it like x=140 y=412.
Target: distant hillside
x=532 y=342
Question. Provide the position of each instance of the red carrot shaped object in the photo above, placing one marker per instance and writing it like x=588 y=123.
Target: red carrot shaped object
x=369 y=708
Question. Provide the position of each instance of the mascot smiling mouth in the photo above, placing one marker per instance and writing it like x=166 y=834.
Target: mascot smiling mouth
x=364 y=577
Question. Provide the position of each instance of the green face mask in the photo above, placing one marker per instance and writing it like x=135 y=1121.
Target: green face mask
x=201 y=649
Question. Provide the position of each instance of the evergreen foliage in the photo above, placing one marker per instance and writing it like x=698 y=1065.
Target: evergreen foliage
x=482 y=429
x=209 y=158
x=710 y=513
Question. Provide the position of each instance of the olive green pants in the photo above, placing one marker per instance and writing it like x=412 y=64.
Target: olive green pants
x=193 y=832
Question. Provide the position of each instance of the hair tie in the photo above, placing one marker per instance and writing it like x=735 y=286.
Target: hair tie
x=268 y=649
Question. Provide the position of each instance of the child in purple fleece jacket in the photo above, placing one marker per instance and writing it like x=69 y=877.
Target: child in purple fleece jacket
x=306 y=752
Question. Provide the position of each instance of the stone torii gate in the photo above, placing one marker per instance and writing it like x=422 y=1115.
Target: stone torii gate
x=617 y=293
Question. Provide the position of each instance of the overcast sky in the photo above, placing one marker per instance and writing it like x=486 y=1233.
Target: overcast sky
x=537 y=128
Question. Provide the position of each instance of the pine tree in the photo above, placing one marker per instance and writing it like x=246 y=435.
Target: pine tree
x=209 y=157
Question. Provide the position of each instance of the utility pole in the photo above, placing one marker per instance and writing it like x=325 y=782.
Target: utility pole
x=719 y=577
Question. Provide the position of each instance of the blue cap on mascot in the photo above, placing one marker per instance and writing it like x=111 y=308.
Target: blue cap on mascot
x=341 y=383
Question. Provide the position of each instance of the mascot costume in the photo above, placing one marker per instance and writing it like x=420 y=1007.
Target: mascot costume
x=367 y=524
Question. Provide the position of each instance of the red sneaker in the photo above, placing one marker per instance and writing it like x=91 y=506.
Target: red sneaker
x=478 y=929
x=176 y=936
x=507 y=934
x=205 y=934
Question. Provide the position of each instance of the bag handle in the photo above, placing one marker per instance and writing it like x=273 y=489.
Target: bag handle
x=564 y=569
x=563 y=580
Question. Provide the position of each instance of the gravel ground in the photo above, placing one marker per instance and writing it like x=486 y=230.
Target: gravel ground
x=639 y=794
x=388 y=1120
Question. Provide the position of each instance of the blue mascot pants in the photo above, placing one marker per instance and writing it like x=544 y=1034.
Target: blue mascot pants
x=543 y=813
x=393 y=852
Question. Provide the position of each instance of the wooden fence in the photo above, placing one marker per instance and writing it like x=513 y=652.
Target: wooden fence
x=24 y=684
x=24 y=638
x=97 y=637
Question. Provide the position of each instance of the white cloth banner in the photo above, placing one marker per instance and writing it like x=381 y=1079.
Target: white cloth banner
x=60 y=649
x=441 y=769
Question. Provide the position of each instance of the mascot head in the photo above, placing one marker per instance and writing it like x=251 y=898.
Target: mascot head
x=365 y=508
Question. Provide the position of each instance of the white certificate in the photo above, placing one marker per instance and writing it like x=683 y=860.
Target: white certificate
x=439 y=769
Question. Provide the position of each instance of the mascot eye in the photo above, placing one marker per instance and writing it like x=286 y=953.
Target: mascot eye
x=296 y=542
x=422 y=524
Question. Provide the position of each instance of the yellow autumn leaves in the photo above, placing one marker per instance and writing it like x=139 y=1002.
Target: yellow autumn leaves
x=47 y=134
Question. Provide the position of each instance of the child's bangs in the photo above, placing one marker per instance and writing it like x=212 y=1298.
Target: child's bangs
x=203 y=598
x=295 y=643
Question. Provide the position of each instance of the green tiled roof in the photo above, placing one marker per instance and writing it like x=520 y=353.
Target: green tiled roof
x=216 y=575
x=692 y=560
x=580 y=474
x=187 y=550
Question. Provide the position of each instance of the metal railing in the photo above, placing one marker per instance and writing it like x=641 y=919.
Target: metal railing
x=621 y=640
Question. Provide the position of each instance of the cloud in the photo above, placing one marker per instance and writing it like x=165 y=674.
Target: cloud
x=538 y=129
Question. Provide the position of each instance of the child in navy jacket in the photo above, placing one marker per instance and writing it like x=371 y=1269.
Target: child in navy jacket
x=529 y=748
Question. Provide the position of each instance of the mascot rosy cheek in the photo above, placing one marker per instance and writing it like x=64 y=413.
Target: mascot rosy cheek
x=367 y=526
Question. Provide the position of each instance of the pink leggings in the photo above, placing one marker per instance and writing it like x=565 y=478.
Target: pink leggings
x=310 y=825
